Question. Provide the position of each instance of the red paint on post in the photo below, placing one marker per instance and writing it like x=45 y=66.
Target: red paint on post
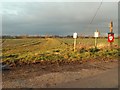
x=110 y=37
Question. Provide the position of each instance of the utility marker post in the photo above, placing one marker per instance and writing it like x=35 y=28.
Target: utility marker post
x=95 y=42
x=96 y=35
x=111 y=34
x=75 y=40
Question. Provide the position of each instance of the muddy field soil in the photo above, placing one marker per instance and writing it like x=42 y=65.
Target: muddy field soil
x=44 y=76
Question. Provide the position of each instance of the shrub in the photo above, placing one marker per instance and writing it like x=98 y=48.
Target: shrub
x=56 y=50
x=82 y=50
x=93 y=50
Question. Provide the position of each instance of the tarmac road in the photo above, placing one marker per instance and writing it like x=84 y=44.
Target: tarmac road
x=108 y=79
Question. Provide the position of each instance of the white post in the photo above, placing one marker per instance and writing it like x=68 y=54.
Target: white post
x=96 y=35
x=75 y=40
x=95 y=42
x=74 y=44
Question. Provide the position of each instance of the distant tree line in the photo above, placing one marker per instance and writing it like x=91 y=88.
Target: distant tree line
x=47 y=36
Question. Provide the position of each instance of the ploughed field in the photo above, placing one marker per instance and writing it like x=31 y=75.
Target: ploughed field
x=17 y=52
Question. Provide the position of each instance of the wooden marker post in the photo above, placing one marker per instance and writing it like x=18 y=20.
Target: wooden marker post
x=96 y=35
x=95 y=42
x=75 y=40
x=111 y=34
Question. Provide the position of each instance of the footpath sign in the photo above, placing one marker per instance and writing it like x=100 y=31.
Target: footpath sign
x=110 y=37
x=96 y=34
x=75 y=35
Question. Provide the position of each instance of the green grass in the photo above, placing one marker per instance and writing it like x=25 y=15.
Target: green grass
x=53 y=49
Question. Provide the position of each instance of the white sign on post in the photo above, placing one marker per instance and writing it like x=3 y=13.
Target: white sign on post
x=75 y=35
x=96 y=34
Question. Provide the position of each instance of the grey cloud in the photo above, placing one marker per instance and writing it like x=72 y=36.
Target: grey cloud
x=57 y=18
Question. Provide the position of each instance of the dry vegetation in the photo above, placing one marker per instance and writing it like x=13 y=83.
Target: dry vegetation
x=56 y=50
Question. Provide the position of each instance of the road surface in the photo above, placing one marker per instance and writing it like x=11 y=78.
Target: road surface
x=108 y=79
x=87 y=75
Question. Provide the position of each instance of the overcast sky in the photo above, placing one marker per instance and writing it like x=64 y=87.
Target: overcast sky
x=59 y=18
